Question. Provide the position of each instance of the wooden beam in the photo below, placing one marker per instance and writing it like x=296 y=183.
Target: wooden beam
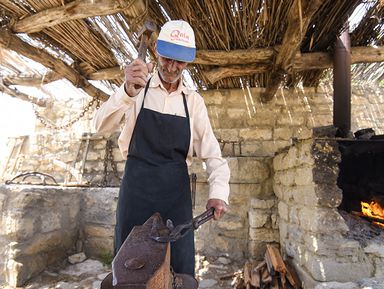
x=17 y=94
x=245 y=56
x=217 y=74
x=75 y=10
x=301 y=62
x=31 y=81
x=11 y=41
x=299 y=17
x=107 y=73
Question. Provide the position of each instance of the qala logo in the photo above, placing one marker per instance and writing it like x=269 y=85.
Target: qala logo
x=181 y=36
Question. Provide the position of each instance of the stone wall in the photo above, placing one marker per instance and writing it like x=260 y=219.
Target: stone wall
x=39 y=226
x=251 y=133
x=312 y=231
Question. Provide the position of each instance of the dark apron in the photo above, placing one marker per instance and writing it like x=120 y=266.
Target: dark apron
x=156 y=180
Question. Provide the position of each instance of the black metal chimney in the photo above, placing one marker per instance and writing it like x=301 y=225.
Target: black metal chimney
x=342 y=85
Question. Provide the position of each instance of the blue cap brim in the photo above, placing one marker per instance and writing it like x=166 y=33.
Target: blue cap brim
x=176 y=52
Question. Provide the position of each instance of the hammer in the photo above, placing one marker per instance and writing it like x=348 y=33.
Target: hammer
x=145 y=34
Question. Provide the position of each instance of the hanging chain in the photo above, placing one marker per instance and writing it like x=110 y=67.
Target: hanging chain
x=49 y=124
x=177 y=282
x=108 y=158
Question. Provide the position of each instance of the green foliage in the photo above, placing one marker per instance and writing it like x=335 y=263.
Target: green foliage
x=106 y=257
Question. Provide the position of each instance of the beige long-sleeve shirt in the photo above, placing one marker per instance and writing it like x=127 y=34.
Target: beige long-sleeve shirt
x=203 y=141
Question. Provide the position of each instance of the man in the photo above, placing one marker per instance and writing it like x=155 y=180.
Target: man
x=164 y=123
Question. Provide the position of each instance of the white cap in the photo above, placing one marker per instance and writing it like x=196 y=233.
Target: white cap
x=177 y=41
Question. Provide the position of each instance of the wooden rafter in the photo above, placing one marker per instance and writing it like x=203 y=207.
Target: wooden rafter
x=257 y=62
x=75 y=10
x=11 y=41
x=299 y=17
x=31 y=81
x=17 y=94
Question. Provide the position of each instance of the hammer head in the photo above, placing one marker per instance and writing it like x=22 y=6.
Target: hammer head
x=148 y=28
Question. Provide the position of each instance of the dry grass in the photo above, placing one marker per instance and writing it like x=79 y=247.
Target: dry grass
x=107 y=41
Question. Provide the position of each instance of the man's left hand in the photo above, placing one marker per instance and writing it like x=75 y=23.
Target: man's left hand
x=220 y=207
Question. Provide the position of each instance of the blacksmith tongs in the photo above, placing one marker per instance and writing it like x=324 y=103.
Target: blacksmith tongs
x=181 y=230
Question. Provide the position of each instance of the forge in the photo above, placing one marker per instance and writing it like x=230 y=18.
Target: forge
x=361 y=178
x=320 y=184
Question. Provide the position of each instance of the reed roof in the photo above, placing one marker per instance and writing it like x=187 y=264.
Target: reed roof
x=258 y=43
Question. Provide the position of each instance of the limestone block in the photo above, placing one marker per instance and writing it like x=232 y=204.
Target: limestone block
x=256 y=133
x=279 y=191
x=85 y=268
x=261 y=118
x=121 y=167
x=318 y=119
x=287 y=119
x=304 y=153
x=294 y=215
x=329 y=269
x=285 y=161
x=215 y=98
x=283 y=133
x=16 y=226
x=303 y=176
x=98 y=246
x=275 y=220
x=3 y=200
x=57 y=240
x=263 y=234
x=230 y=223
x=258 y=218
x=324 y=195
x=266 y=190
x=50 y=221
x=283 y=229
x=77 y=258
x=375 y=249
x=98 y=231
x=332 y=245
x=116 y=154
x=236 y=113
x=338 y=285
x=92 y=167
x=322 y=220
x=12 y=269
x=257 y=250
x=379 y=267
x=94 y=156
x=283 y=210
x=286 y=178
x=99 y=206
x=303 y=133
x=250 y=170
x=262 y=204
x=227 y=134
x=242 y=193
x=296 y=234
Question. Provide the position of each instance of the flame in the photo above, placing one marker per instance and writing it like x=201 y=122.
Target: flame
x=373 y=209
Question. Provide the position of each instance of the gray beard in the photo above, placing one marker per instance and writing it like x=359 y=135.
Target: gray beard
x=172 y=82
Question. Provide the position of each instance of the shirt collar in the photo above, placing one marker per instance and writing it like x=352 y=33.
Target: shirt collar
x=156 y=82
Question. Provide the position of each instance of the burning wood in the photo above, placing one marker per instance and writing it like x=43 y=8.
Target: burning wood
x=372 y=209
x=372 y=212
x=272 y=273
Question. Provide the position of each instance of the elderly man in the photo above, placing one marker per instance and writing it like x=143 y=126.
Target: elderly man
x=165 y=122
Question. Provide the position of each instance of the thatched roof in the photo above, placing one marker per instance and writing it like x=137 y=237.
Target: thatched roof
x=257 y=43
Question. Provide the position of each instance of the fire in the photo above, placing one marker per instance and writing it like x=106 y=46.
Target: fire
x=373 y=210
